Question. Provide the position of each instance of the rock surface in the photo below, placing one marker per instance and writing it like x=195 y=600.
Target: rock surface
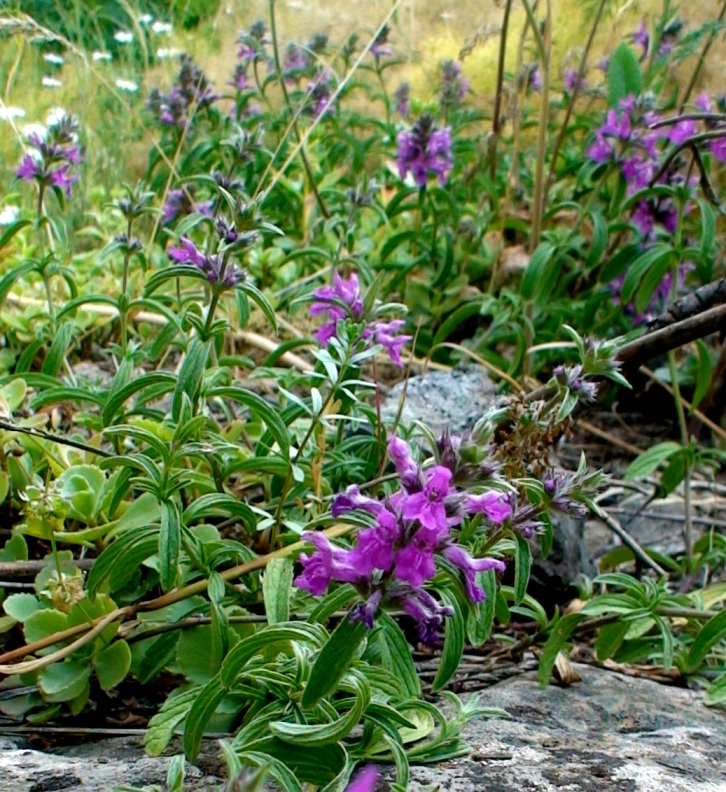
x=607 y=733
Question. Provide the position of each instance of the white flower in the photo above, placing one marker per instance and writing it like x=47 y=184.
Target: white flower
x=127 y=85
x=55 y=116
x=146 y=19
x=9 y=214
x=35 y=129
x=167 y=52
x=51 y=57
x=101 y=56
x=51 y=82
x=161 y=28
x=8 y=113
x=123 y=36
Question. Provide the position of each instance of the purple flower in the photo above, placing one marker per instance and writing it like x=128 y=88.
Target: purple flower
x=428 y=613
x=535 y=78
x=218 y=270
x=470 y=566
x=28 y=169
x=325 y=564
x=61 y=178
x=495 y=505
x=375 y=546
x=380 y=48
x=187 y=253
x=428 y=506
x=425 y=151
x=641 y=38
x=571 y=81
x=319 y=95
x=703 y=103
x=366 y=611
x=407 y=469
x=365 y=781
x=414 y=563
x=383 y=333
x=453 y=86
x=351 y=499
x=681 y=131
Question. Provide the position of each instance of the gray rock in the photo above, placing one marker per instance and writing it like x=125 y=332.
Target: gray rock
x=607 y=733
x=455 y=399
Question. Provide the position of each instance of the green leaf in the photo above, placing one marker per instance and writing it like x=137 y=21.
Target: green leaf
x=523 y=564
x=534 y=283
x=649 y=460
x=276 y=589
x=162 y=726
x=11 y=231
x=205 y=704
x=610 y=639
x=42 y=624
x=63 y=681
x=396 y=656
x=21 y=606
x=333 y=601
x=713 y=631
x=454 y=636
x=479 y=622
x=716 y=694
x=194 y=656
x=169 y=544
x=313 y=735
x=53 y=361
x=657 y=256
x=112 y=664
x=704 y=370
x=190 y=375
x=624 y=76
x=333 y=660
x=558 y=637
x=258 y=297
x=120 y=561
x=258 y=406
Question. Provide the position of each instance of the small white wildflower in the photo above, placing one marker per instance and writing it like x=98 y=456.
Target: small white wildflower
x=101 y=56
x=127 y=85
x=51 y=57
x=35 y=129
x=123 y=36
x=161 y=28
x=9 y=214
x=8 y=113
x=55 y=116
x=167 y=52
x=146 y=19
x=51 y=82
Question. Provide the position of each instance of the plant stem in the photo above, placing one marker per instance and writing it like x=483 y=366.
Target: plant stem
x=498 y=94
x=293 y=116
x=575 y=91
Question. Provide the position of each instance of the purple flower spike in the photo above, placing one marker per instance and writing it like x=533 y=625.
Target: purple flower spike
x=383 y=333
x=366 y=611
x=470 y=566
x=426 y=611
x=495 y=505
x=425 y=151
x=415 y=562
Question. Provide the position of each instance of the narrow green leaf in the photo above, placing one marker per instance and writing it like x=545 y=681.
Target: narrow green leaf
x=649 y=460
x=713 y=631
x=396 y=655
x=480 y=620
x=454 y=636
x=334 y=660
x=169 y=544
x=189 y=381
x=523 y=564
x=276 y=589
x=558 y=637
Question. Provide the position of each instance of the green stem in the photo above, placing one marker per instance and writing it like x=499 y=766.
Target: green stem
x=293 y=116
x=499 y=92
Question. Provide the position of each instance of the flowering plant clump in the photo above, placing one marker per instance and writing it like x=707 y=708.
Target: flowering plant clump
x=52 y=155
x=392 y=560
x=343 y=301
x=192 y=92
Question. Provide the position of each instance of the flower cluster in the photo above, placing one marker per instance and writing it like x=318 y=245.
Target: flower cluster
x=191 y=91
x=425 y=150
x=453 y=86
x=660 y=299
x=381 y=47
x=343 y=301
x=717 y=147
x=629 y=140
x=218 y=267
x=393 y=559
x=52 y=154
